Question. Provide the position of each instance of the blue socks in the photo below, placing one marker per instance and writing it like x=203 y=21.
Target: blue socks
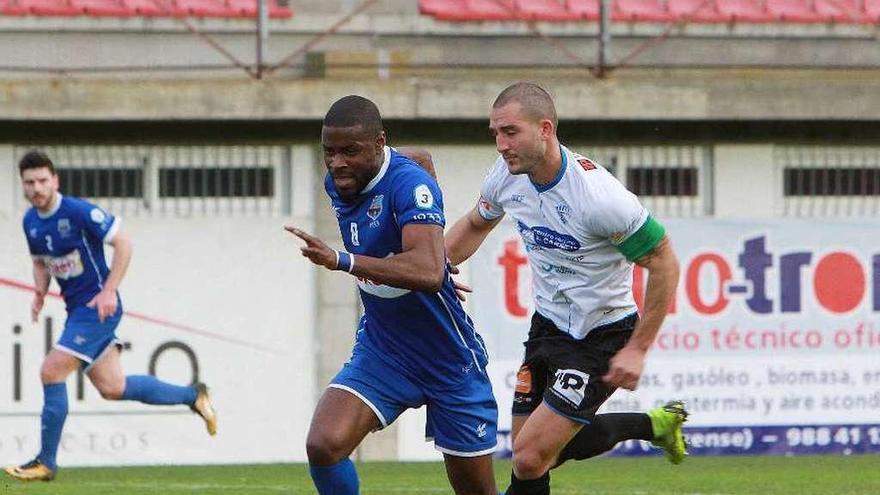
x=143 y=388
x=150 y=390
x=52 y=422
x=338 y=479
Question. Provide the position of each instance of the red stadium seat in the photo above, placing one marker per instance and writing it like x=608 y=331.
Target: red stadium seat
x=434 y=7
x=844 y=11
x=492 y=10
x=641 y=10
x=47 y=7
x=248 y=8
x=793 y=11
x=446 y=10
x=695 y=11
x=11 y=7
x=872 y=10
x=151 y=8
x=104 y=8
x=583 y=9
x=743 y=11
x=545 y=10
x=204 y=8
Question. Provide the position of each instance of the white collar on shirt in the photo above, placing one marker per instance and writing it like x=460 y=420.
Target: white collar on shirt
x=54 y=209
x=378 y=177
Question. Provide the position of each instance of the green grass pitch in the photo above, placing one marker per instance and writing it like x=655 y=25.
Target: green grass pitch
x=852 y=475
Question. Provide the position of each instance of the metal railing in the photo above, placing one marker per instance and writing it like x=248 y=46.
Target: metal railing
x=181 y=181
x=828 y=181
x=671 y=181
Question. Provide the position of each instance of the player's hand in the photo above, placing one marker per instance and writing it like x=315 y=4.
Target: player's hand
x=460 y=289
x=105 y=302
x=315 y=250
x=37 y=306
x=625 y=368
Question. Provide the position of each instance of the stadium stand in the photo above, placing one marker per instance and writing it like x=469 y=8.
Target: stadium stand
x=872 y=10
x=140 y=8
x=700 y=11
x=546 y=10
x=584 y=9
x=695 y=11
x=793 y=11
x=640 y=11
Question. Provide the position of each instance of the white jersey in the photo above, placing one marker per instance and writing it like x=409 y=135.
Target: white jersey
x=576 y=230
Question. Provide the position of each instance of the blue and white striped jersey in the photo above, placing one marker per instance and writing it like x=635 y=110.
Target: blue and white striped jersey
x=70 y=242
x=427 y=334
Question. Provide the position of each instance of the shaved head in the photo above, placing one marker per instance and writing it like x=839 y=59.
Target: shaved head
x=352 y=111
x=535 y=101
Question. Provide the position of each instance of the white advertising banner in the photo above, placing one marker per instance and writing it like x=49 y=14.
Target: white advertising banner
x=773 y=338
x=224 y=301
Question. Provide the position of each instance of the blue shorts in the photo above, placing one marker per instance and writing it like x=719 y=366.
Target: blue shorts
x=462 y=421
x=85 y=337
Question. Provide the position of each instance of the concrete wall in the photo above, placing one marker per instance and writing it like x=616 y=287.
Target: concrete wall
x=629 y=95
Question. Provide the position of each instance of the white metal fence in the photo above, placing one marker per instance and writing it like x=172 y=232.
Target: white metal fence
x=828 y=181
x=671 y=181
x=185 y=181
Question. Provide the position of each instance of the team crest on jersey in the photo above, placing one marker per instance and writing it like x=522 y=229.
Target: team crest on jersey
x=564 y=211
x=375 y=208
x=64 y=227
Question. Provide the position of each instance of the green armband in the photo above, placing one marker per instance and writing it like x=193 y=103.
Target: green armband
x=643 y=240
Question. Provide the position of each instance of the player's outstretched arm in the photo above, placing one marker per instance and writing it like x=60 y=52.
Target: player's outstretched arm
x=466 y=236
x=420 y=266
x=626 y=367
x=42 y=279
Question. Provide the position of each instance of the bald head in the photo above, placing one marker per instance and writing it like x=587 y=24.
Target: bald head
x=535 y=101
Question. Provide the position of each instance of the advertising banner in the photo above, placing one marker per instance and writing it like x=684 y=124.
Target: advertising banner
x=223 y=301
x=773 y=339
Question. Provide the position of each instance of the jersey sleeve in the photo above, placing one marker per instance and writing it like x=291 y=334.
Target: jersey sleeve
x=618 y=216
x=489 y=205
x=417 y=199
x=97 y=222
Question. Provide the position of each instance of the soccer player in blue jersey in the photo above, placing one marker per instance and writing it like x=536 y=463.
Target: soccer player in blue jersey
x=66 y=238
x=415 y=345
x=583 y=231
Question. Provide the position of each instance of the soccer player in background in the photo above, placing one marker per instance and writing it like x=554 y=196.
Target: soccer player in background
x=414 y=345
x=65 y=236
x=582 y=231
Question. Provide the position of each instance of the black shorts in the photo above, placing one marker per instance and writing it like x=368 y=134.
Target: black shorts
x=565 y=372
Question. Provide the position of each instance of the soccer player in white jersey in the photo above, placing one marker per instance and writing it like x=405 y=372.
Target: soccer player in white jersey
x=583 y=231
x=66 y=238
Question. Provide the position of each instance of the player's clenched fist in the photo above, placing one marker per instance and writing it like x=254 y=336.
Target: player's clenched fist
x=315 y=250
